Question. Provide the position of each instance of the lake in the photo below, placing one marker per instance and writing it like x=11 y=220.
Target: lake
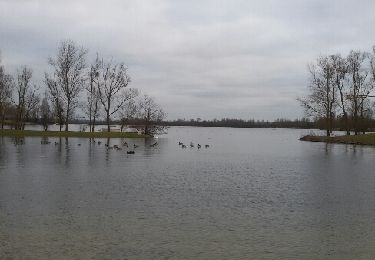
x=252 y=194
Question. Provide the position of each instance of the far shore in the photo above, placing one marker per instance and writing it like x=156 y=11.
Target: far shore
x=363 y=139
x=33 y=133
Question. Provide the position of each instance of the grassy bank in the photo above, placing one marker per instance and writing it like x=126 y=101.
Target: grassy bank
x=28 y=133
x=366 y=139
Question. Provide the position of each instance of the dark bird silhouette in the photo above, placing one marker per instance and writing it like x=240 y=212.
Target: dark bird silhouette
x=135 y=146
x=206 y=146
x=99 y=143
x=130 y=152
x=199 y=146
x=180 y=143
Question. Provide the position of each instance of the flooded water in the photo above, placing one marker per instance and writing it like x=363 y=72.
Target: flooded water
x=252 y=194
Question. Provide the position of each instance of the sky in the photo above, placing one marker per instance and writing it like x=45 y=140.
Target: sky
x=198 y=58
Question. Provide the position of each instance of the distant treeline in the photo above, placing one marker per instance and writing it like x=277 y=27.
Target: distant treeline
x=304 y=123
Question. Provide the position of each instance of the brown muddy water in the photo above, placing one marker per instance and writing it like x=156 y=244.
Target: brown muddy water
x=253 y=194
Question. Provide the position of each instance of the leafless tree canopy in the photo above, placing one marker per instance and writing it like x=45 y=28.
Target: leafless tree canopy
x=112 y=83
x=341 y=86
x=27 y=99
x=69 y=66
x=6 y=82
x=151 y=115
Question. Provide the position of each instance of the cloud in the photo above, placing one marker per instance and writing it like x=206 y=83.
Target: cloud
x=205 y=59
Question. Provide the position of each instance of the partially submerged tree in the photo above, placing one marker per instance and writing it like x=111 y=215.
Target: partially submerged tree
x=55 y=97
x=112 y=83
x=151 y=115
x=45 y=112
x=69 y=66
x=127 y=113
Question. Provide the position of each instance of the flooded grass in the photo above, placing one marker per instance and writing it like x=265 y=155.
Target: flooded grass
x=31 y=133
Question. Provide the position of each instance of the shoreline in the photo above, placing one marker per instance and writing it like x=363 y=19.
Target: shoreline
x=33 y=133
x=363 y=139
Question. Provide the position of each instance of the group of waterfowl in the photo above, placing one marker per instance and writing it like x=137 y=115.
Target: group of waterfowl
x=115 y=147
x=192 y=145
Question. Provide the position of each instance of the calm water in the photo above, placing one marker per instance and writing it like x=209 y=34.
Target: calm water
x=253 y=194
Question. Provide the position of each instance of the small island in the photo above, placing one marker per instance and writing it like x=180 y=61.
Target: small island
x=363 y=139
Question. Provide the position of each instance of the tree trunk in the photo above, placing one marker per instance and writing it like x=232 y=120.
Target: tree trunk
x=67 y=117
x=108 y=126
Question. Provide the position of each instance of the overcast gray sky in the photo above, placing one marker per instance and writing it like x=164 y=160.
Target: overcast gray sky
x=198 y=58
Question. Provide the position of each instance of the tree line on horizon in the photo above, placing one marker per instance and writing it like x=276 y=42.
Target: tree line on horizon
x=303 y=123
x=341 y=91
x=100 y=90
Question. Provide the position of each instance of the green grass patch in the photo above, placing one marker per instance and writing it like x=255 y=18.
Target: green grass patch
x=31 y=133
x=364 y=139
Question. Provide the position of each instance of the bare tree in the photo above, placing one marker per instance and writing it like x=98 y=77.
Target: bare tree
x=113 y=80
x=360 y=88
x=340 y=70
x=45 y=112
x=93 y=96
x=321 y=101
x=69 y=66
x=6 y=82
x=55 y=97
x=26 y=97
x=128 y=112
x=151 y=115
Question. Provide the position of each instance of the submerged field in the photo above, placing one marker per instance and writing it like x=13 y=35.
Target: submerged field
x=31 y=133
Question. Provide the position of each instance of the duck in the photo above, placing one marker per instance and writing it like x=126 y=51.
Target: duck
x=130 y=152
x=99 y=142
x=180 y=143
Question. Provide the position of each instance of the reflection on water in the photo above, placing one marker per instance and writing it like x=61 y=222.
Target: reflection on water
x=254 y=193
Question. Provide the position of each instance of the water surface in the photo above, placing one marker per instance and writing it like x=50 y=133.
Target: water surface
x=253 y=194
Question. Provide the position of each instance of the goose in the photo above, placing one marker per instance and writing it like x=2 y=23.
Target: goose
x=183 y=146
x=130 y=152
x=206 y=146
x=199 y=146
x=191 y=144
x=99 y=143
x=180 y=143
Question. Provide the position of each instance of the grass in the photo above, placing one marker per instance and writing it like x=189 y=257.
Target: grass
x=364 y=139
x=32 y=133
